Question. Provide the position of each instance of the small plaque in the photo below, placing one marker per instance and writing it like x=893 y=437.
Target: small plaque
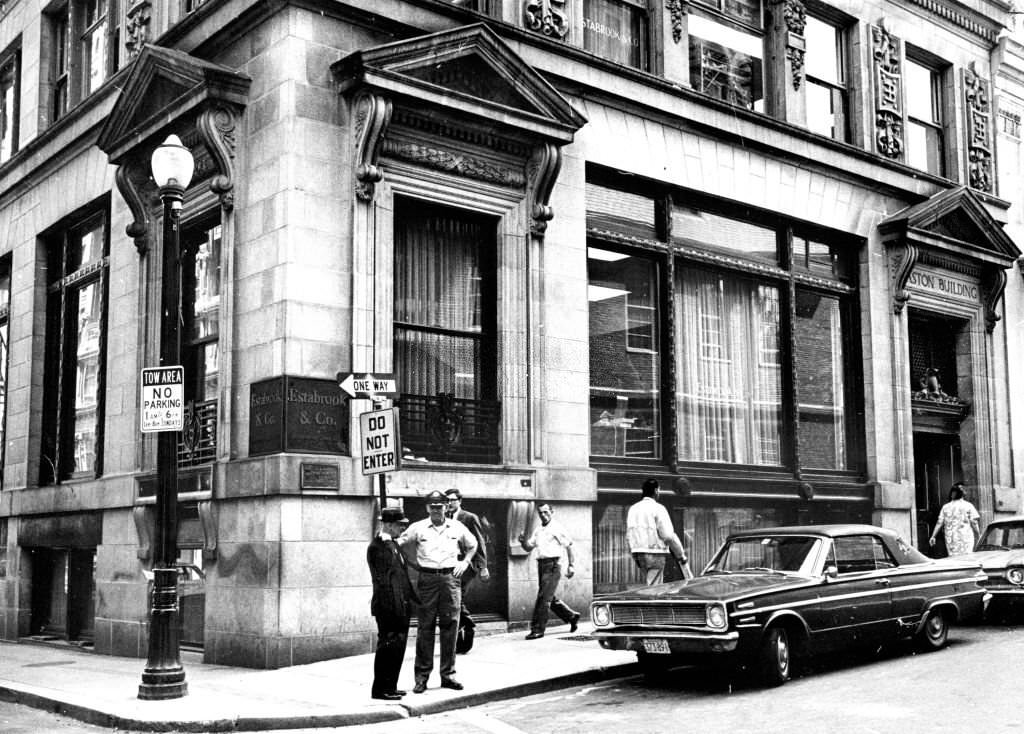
x=319 y=476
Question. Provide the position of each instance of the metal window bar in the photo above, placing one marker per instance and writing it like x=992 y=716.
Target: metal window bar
x=197 y=442
x=445 y=428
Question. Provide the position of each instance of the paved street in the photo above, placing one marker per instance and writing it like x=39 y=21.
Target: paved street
x=973 y=685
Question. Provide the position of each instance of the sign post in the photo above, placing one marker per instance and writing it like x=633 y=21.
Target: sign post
x=382 y=446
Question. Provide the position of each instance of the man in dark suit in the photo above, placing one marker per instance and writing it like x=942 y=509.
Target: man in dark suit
x=391 y=605
x=477 y=564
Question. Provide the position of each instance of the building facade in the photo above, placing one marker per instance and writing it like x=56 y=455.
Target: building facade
x=764 y=251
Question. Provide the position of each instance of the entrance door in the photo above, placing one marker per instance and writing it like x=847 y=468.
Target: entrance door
x=490 y=600
x=936 y=467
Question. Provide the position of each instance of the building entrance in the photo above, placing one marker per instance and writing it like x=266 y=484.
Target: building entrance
x=489 y=601
x=937 y=465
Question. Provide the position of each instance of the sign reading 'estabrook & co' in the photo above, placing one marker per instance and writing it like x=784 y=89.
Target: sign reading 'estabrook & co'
x=299 y=414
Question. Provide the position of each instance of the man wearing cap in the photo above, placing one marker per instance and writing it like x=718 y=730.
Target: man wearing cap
x=441 y=547
x=477 y=564
x=391 y=605
x=651 y=537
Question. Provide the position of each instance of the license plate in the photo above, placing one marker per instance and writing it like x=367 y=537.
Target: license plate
x=656 y=646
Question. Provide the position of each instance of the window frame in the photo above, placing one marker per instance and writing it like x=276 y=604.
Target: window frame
x=839 y=90
x=11 y=57
x=6 y=273
x=643 y=20
x=68 y=61
x=938 y=73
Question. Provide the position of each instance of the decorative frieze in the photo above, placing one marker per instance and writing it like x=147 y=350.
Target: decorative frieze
x=888 y=73
x=450 y=161
x=549 y=17
x=978 y=108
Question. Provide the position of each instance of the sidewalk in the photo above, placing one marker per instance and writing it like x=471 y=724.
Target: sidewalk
x=102 y=690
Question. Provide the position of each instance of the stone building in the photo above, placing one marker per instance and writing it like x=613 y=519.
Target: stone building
x=763 y=251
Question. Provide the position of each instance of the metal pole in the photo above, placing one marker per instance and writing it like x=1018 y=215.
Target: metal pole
x=163 y=676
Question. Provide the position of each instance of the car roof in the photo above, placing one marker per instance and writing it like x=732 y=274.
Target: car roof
x=1008 y=521
x=830 y=531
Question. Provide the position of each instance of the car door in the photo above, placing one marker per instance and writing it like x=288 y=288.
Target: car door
x=855 y=604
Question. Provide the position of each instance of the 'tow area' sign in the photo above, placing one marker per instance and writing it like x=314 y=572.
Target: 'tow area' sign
x=163 y=399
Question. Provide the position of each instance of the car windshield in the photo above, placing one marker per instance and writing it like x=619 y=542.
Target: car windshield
x=997 y=537
x=767 y=554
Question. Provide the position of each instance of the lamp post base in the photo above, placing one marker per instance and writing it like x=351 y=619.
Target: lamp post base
x=163 y=685
x=163 y=677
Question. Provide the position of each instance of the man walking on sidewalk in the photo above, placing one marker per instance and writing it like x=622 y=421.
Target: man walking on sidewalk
x=550 y=539
x=438 y=542
x=651 y=536
x=477 y=565
x=391 y=604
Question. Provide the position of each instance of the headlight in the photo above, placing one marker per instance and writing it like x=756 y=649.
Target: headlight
x=1015 y=576
x=716 y=616
x=602 y=615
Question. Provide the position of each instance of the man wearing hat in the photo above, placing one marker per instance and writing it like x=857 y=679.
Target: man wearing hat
x=391 y=605
x=477 y=564
x=438 y=543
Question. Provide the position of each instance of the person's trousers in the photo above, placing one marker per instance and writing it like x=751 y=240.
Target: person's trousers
x=440 y=603
x=652 y=565
x=465 y=581
x=549 y=573
x=392 y=636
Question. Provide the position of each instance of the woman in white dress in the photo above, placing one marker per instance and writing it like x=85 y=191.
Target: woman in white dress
x=957 y=519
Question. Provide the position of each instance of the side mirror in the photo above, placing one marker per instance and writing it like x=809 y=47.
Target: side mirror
x=831 y=573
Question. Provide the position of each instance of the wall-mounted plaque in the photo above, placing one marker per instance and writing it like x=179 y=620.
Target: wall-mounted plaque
x=299 y=414
x=319 y=476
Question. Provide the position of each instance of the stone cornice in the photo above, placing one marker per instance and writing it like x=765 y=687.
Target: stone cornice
x=967 y=19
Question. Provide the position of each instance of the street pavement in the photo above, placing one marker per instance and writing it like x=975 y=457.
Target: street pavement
x=102 y=689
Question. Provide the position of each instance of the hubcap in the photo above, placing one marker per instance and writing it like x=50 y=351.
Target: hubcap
x=782 y=652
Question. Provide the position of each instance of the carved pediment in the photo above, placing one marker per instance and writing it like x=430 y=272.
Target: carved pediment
x=467 y=71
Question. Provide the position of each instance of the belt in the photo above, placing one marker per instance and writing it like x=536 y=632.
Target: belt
x=438 y=571
x=547 y=561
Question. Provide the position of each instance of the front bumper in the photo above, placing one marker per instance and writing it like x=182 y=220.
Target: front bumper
x=679 y=643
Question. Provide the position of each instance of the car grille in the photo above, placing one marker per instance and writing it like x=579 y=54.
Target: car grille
x=660 y=614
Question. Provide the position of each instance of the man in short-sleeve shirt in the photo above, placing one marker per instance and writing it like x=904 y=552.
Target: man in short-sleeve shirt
x=550 y=540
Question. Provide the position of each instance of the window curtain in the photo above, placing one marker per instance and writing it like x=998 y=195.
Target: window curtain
x=438 y=305
x=729 y=400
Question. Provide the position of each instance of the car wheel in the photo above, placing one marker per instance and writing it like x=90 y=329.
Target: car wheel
x=775 y=657
x=934 y=632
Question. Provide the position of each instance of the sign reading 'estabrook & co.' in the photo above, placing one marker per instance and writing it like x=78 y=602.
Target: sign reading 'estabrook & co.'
x=299 y=414
x=944 y=285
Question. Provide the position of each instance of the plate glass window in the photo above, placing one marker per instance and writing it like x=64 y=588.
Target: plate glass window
x=616 y=30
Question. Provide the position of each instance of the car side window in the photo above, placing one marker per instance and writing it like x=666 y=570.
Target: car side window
x=860 y=553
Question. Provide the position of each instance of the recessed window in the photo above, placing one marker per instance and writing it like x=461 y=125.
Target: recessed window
x=10 y=91
x=616 y=30
x=5 y=320
x=83 y=42
x=924 y=117
x=825 y=75
x=727 y=60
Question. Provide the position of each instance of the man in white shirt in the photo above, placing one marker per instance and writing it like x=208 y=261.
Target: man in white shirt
x=442 y=548
x=651 y=536
x=550 y=539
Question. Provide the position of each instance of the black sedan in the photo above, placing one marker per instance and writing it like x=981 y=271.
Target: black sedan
x=1000 y=553
x=772 y=596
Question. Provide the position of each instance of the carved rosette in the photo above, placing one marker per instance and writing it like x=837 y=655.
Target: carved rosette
x=548 y=17
x=217 y=127
x=542 y=171
x=371 y=116
x=888 y=93
x=676 y=12
x=136 y=29
x=978 y=106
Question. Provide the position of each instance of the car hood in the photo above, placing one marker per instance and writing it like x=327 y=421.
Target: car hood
x=715 y=587
x=995 y=558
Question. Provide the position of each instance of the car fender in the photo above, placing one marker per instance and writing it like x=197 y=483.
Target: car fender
x=789 y=618
x=937 y=604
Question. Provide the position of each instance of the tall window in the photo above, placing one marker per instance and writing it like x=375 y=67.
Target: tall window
x=201 y=289
x=727 y=51
x=825 y=74
x=625 y=376
x=10 y=90
x=925 y=146
x=84 y=40
x=616 y=30
x=5 y=320
x=76 y=316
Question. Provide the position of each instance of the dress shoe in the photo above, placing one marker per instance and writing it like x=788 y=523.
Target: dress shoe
x=535 y=635
x=421 y=685
x=451 y=683
x=399 y=691
x=574 y=622
x=387 y=696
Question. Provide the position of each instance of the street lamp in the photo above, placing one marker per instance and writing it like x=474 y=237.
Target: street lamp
x=163 y=677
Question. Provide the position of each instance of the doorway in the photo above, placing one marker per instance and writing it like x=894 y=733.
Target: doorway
x=489 y=601
x=937 y=465
x=63 y=602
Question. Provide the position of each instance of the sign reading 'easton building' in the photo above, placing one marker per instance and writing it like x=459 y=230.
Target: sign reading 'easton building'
x=297 y=414
x=944 y=285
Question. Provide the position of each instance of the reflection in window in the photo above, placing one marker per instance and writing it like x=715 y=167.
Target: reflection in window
x=726 y=63
x=825 y=73
x=615 y=30
x=73 y=375
x=201 y=292
x=5 y=311
x=730 y=382
x=83 y=45
x=625 y=376
x=9 y=88
x=924 y=118
x=821 y=433
x=706 y=230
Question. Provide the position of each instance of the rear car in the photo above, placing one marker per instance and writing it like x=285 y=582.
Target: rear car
x=1000 y=553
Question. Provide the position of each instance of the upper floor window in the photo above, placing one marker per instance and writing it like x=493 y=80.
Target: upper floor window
x=5 y=320
x=727 y=54
x=616 y=30
x=924 y=135
x=10 y=91
x=75 y=343
x=825 y=74
x=201 y=293
x=83 y=43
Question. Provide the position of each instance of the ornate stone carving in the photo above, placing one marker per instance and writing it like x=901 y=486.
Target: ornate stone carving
x=904 y=267
x=136 y=29
x=372 y=114
x=143 y=523
x=676 y=11
x=548 y=17
x=136 y=188
x=994 y=287
x=208 y=518
x=978 y=107
x=888 y=92
x=543 y=170
x=460 y=163
x=216 y=126
x=795 y=16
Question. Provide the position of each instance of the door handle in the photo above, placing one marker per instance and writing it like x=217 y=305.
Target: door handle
x=882 y=582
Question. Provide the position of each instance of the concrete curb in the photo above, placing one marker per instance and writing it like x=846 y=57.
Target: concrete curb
x=384 y=712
